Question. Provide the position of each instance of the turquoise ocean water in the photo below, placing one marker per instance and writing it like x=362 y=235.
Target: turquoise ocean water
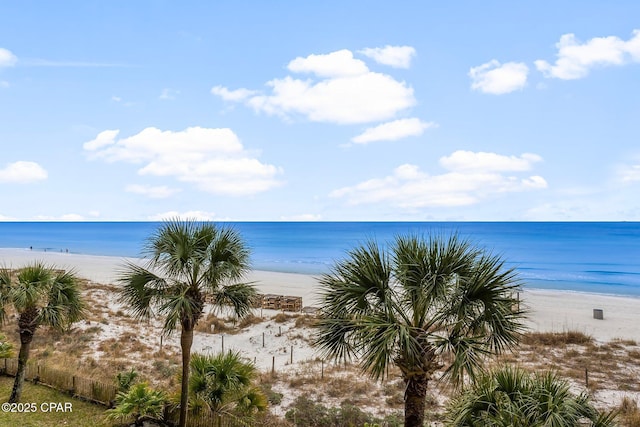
x=600 y=257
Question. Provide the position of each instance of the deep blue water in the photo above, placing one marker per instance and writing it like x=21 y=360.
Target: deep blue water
x=586 y=256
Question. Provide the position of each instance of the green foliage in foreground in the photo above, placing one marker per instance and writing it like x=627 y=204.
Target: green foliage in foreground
x=6 y=349
x=511 y=396
x=137 y=404
x=223 y=384
x=83 y=414
x=305 y=412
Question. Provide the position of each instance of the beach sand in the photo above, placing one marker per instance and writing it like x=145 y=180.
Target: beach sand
x=549 y=310
x=284 y=346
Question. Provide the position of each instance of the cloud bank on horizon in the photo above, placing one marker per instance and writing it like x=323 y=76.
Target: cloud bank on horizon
x=357 y=131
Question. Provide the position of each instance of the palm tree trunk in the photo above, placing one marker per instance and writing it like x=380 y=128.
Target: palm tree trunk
x=25 y=345
x=186 y=339
x=414 y=400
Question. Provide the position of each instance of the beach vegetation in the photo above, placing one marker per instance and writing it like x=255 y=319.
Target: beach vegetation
x=124 y=380
x=422 y=305
x=556 y=339
x=629 y=413
x=510 y=396
x=6 y=348
x=41 y=296
x=188 y=263
x=138 y=404
x=307 y=412
x=224 y=385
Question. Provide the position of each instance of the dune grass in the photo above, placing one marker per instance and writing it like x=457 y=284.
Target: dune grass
x=83 y=414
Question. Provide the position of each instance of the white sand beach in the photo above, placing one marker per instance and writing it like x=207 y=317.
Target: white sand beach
x=549 y=310
x=285 y=346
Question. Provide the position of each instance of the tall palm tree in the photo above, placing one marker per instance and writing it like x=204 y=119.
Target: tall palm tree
x=422 y=304
x=510 y=396
x=187 y=261
x=223 y=384
x=42 y=296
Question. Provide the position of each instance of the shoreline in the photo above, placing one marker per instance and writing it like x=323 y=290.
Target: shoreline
x=549 y=310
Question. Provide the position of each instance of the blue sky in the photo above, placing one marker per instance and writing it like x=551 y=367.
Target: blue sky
x=281 y=110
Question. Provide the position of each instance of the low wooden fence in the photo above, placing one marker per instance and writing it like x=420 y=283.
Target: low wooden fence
x=64 y=381
x=99 y=392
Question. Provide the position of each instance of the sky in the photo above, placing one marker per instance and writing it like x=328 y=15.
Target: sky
x=320 y=111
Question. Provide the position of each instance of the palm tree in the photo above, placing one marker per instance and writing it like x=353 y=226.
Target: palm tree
x=187 y=261
x=223 y=384
x=510 y=396
x=139 y=403
x=42 y=296
x=421 y=305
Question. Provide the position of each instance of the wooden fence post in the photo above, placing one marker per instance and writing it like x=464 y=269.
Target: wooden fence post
x=292 y=355
x=273 y=365
x=222 y=343
x=586 y=377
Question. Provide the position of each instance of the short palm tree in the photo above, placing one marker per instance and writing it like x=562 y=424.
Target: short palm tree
x=422 y=304
x=138 y=403
x=510 y=396
x=223 y=385
x=42 y=296
x=188 y=261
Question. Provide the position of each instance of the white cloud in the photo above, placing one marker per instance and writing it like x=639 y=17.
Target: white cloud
x=189 y=215
x=335 y=64
x=409 y=188
x=103 y=139
x=498 y=79
x=469 y=161
x=168 y=94
x=232 y=95
x=7 y=58
x=4 y=84
x=344 y=91
x=214 y=160
x=629 y=173
x=394 y=130
x=302 y=217
x=7 y=218
x=160 y=192
x=575 y=59
x=65 y=217
x=116 y=98
x=395 y=56
x=22 y=172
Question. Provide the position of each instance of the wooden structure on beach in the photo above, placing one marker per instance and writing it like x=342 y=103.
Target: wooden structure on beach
x=279 y=302
x=272 y=302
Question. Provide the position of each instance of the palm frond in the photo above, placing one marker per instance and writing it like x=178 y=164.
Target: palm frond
x=239 y=296
x=180 y=308
x=224 y=254
x=5 y=293
x=468 y=355
x=64 y=302
x=31 y=287
x=360 y=284
x=510 y=396
x=141 y=290
x=336 y=338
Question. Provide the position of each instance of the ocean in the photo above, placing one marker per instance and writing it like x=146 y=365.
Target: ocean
x=595 y=257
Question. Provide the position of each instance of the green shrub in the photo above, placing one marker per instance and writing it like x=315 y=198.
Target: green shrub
x=304 y=412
